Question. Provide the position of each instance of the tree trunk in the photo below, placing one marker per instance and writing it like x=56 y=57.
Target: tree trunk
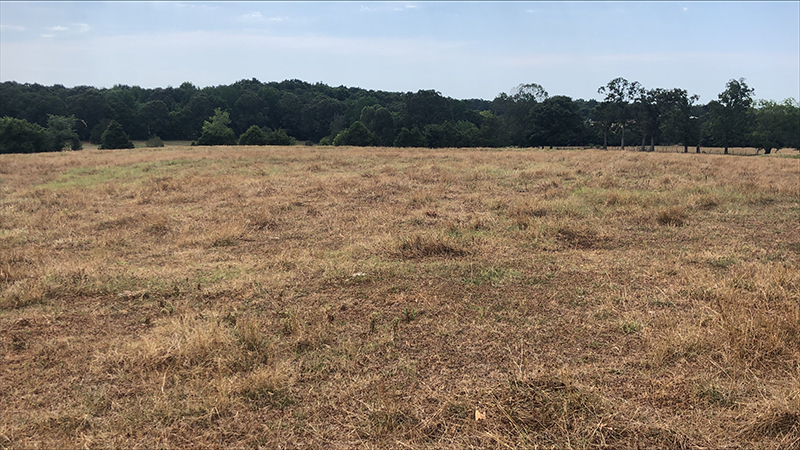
x=605 y=140
x=652 y=144
x=767 y=151
x=623 y=137
x=643 y=139
x=726 y=149
x=685 y=148
x=698 y=149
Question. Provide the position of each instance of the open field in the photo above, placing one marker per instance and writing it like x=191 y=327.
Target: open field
x=310 y=297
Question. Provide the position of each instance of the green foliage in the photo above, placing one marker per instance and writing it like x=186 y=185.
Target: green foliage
x=154 y=141
x=216 y=131
x=777 y=125
x=357 y=135
x=21 y=136
x=115 y=137
x=319 y=113
x=410 y=138
x=279 y=137
x=730 y=116
x=62 y=132
x=253 y=136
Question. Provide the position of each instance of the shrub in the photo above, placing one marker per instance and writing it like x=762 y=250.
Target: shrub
x=216 y=131
x=358 y=134
x=253 y=136
x=115 y=137
x=21 y=136
x=279 y=137
x=154 y=141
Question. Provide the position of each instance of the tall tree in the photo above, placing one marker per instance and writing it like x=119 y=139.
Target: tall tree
x=777 y=125
x=679 y=125
x=556 y=121
x=729 y=115
x=619 y=94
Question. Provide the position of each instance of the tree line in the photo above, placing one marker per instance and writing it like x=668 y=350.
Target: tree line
x=250 y=112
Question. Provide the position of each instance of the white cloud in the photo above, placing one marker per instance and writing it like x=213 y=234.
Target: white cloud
x=48 y=35
x=58 y=28
x=82 y=27
x=278 y=19
x=254 y=16
x=685 y=9
x=12 y=28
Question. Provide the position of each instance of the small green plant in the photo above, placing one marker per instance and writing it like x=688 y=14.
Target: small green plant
x=154 y=141
x=409 y=314
x=632 y=326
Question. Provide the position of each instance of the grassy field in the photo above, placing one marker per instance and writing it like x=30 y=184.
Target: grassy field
x=310 y=297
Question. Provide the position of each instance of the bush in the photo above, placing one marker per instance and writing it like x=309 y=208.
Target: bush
x=21 y=136
x=115 y=137
x=62 y=132
x=253 y=136
x=410 y=138
x=154 y=141
x=216 y=131
x=279 y=137
x=357 y=135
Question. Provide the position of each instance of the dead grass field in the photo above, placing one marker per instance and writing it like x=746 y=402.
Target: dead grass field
x=310 y=297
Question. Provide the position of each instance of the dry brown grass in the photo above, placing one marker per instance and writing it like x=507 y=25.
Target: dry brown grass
x=377 y=298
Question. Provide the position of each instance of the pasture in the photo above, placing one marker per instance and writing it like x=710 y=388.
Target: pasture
x=320 y=297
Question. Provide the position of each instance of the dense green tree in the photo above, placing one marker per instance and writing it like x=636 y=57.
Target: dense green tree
x=90 y=107
x=730 y=120
x=619 y=94
x=249 y=109
x=491 y=133
x=358 y=135
x=253 y=136
x=279 y=137
x=556 y=121
x=777 y=125
x=679 y=125
x=410 y=138
x=216 y=130
x=153 y=117
x=427 y=108
x=62 y=132
x=21 y=136
x=115 y=137
x=466 y=134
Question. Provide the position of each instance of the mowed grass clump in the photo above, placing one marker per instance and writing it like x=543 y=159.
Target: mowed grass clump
x=266 y=297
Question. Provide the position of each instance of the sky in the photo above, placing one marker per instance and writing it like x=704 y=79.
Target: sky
x=462 y=49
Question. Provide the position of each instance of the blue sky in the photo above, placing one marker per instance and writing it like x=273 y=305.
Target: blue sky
x=461 y=49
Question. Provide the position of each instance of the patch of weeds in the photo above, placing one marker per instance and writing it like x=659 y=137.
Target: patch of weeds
x=263 y=391
x=674 y=217
x=661 y=303
x=492 y=275
x=581 y=238
x=166 y=306
x=226 y=241
x=631 y=327
x=716 y=396
x=409 y=314
x=426 y=246
x=288 y=323
x=722 y=263
x=776 y=422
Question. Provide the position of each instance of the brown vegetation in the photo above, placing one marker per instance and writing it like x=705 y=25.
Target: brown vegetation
x=287 y=297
